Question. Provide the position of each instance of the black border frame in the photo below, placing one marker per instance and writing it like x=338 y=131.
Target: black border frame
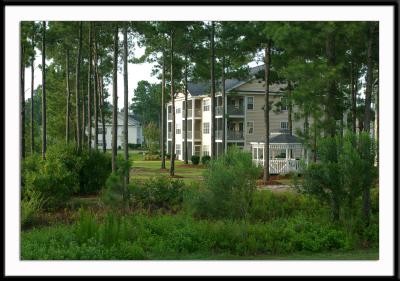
x=396 y=105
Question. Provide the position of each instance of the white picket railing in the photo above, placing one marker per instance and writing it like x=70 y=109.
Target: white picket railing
x=280 y=166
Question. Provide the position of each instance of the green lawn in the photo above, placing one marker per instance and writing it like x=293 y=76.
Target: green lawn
x=146 y=169
x=365 y=254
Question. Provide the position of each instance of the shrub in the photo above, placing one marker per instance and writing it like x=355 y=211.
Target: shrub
x=195 y=159
x=151 y=157
x=205 y=160
x=116 y=193
x=158 y=193
x=95 y=169
x=229 y=185
x=52 y=179
x=31 y=205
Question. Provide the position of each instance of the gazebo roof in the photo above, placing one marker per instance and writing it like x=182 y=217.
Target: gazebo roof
x=284 y=138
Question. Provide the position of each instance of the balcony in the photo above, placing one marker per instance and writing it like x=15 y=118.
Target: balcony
x=235 y=135
x=169 y=116
x=197 y=135
x=189 y=134
x=218 y=134
x=169 y=135
x=190 y=113
x=197 y=112
x=235 y=110
x=219 y=111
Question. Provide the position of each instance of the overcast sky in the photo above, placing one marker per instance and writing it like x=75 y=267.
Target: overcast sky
x=136 y=73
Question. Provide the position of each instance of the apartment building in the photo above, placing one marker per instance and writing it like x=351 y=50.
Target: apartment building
x=244 y=111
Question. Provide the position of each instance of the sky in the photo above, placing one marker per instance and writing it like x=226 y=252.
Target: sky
x=136 y=73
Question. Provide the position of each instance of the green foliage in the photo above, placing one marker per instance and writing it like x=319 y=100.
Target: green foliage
x=31 y=205
x=346 y=167
x=116 y=193
x=95 y=169
x=205 y=160
x=158 y=193
x=51 y=178
x=229 y=186
x=195 y=159
x=152 y=136
x=171 y=237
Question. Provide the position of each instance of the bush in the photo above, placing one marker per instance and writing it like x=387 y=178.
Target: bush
x=229 y=186
x=151 y=157
x=31 y=205
x=95 y=169
x=50 y=178
x=158 y=193
x=205 y=160
x=134 y=145
x=195 y=159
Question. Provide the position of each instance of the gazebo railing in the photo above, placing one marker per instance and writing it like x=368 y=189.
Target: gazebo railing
x=280 y=166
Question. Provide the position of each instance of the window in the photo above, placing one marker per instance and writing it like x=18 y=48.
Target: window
x=169 y=109
x=284 y=125
x=100 y=130
x=206 y=128
x=206 y=105
x=284 y=106
x=206 y=150
x=178 y=149
x=178 y=128
x=178 y=110
x=250 y=127
x=250 y=103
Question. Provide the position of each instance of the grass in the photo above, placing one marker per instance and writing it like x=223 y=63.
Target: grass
x=146 y=169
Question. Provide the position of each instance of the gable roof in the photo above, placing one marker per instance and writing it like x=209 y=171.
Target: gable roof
x=202 y=87
x=120 y=120
x=284 y=138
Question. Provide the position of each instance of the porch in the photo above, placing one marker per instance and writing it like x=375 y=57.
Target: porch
x=285 y=152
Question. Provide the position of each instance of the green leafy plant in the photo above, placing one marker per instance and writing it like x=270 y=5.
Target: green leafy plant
x=205 y=160
x=195 y=159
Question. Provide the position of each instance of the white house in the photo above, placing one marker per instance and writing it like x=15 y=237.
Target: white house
x=135 y=132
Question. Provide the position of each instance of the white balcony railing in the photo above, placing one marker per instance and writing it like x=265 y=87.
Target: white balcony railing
x=189 y=134
x=235 y=135
x=218 y=111
x=235 y=110
x=197 y=112
x=197 y=135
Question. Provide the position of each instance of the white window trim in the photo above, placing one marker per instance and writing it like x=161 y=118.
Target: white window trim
x=283 y=110
x=247 y=108
x=208 y=105
x=204 y=128
x=247 y=128
x=282 y=128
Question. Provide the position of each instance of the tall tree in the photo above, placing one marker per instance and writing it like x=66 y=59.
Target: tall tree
x=22 y=99
x=96 y=90
x=77 y=95
x=115 y=101
x=172 y=165
x=266 y=109
x=44 y=135
x=212 y=74
x=68 y=113
x=186 y=112
x=32 y=88
x=126 y=109
x=89 y=94
x=163 y=114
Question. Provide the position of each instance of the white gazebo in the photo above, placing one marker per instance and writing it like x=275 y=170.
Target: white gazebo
x=285 y=152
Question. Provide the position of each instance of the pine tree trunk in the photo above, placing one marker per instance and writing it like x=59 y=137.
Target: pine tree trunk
x=126 y=103
x=163 y=115
x=115 y=102
x=32 y=89
x=331 y=107
x=68 y=113
x=186 y=113
x=353 y=81
x=102 y=105
x=77 y=95
x=212 y=92
x=266 y=111
x=289 y=105
x=172 y=165
x=22 y=102
x=96 y=92
x=368 y=93
x=223 y=102
x=44 y=91
x=89 y=98
x=32 y=101
x=83 y=132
